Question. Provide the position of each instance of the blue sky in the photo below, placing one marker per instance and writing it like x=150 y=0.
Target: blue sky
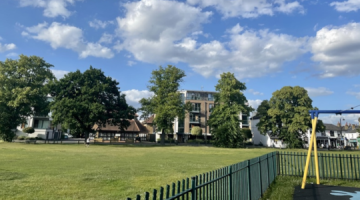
x=268 y=44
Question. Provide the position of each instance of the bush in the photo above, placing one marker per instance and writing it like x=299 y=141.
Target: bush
x=28 y=130
x=249 y=143
x=196 y=131
x=21 y=137
x=38 y=138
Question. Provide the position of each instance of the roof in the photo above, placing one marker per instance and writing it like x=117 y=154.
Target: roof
x=135 y=126
x=332 y=127
x=149 y=120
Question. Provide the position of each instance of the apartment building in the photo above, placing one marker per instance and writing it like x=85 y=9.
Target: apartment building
x=202 y=104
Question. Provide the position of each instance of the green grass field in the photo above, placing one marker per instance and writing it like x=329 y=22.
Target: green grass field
x=60 y=171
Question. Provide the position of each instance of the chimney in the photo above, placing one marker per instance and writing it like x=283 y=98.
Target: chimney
x=346 y=126
x=353 y=127
x=338 y=124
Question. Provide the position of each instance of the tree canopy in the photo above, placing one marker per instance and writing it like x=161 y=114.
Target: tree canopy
x=287 y=115
x=82 y=100
x=23 y=92
x=196 y=131
x=166 y=103
x=224 y=120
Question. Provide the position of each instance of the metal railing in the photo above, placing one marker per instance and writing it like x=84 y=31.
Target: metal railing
x=245 y=180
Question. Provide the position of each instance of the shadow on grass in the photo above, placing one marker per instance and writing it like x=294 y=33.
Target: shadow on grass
x=9 y=175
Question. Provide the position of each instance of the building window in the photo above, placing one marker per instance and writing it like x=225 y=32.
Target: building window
x=196 y=106
x=332 y=133
x=211 y=106
x=323 y=134
x=41 y=123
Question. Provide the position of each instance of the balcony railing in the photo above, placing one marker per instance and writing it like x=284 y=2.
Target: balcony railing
x=200 y=98
x=195 y=121
x=195 y=110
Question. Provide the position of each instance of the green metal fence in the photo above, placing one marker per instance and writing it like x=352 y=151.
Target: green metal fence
x=339 y=166
x=245 y=180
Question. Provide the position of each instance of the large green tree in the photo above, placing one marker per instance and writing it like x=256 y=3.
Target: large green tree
x=224 y=120
x=166 y=103
x=82 y=100
x=287 y=115
x=22 y=92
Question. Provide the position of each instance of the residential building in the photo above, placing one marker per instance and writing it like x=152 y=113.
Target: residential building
x=42 y=125
x=264 y=139
x=202 y=104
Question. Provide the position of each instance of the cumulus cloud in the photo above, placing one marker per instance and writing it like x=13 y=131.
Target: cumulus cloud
x=249 y=8
x=255 y=103
x=133 y=96
x=346 y=6
x=320 y=91
x=12 y=54
x=65 y=36
x=151 y=36
x=7 y=47
x=106 y=38
x=356 y=94
x=131 y=63
x=334 y=119
x=52 y=8
x=59 y=74
x=254 y=92
x=337 y=50
x=99 y=24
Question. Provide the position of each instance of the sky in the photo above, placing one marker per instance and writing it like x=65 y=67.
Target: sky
x=267 y=44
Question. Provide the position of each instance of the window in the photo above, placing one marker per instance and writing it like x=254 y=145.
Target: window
x=211 y=106
x=41 y=123
x=196 y=106
x=332 y=133
x=323 y=134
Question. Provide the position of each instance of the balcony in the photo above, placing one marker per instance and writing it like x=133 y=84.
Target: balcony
x=200 y=98
x=195 y=110
x=194 y=121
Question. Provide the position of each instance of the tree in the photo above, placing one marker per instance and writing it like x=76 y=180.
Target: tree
x=197 y=131
x=82 y=100
x=28 y=130
x=229 y=103
x=287 y=116
x=23 y=91
x=166 y=102
x=246 y=133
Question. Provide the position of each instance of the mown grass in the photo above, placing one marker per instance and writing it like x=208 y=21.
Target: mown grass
x=71 y=171
x=284 y=186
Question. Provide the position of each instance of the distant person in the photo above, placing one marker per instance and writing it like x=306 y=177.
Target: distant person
x=322 y=146
x=88 y=142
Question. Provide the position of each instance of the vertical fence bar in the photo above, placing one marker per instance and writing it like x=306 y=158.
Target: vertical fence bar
x=161 y=195
x=147 y=196
x=230 y=183
x=207 y=185
x=193 y=187
x=178 y=188
x=337 y=166
x=347 y=164
x=200 y=189
x=249 y=179
x=138 y=197
x=297 y=164
x=183 y=189
x=154 y=194
x=341 y=172
x=358 y=169
x=187 y=186
x=351 y=168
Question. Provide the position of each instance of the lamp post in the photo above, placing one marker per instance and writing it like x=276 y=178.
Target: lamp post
x=341 y=132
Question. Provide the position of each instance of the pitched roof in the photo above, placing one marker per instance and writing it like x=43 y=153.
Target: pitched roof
x=135 y=126
x=332 y=127
x=149 y=120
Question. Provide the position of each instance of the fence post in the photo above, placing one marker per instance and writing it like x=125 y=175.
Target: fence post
x=260 y=178
x=193 y=195
x=268 y=166
x=278 y=162
x=230 y=185
x=249 y=178
x=340 y=167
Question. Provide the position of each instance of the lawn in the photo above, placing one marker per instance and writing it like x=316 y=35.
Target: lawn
x=68 y=171
x=283 y=187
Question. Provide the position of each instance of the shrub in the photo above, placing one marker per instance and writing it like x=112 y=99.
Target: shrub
x=21 y=137
x=249 y=143
x=196 y=131
x=29 y=138
x=38 y=138
x=28 y=130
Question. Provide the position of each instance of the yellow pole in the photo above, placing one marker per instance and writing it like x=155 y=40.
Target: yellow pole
x=308 y=155
x=316 y=155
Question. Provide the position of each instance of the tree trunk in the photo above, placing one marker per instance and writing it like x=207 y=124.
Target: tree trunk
x=162 y=137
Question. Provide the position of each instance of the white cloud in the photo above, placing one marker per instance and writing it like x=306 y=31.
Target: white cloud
x=356 y=94
x=255 y=103
x=134 y=96
x=7 y=47
x=13 y=54
x=59 y=73
x=131 y=63
x=106 y=38
x=99 y=24
x=249 y=8
x=315 y=27
x=346 y=6
x=70 y=37
x=53 y=8
x=337 y=50
x=151 y=36
x=255 y=92
x=320 y=91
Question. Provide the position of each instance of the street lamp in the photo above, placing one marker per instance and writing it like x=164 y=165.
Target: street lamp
x=341 y=132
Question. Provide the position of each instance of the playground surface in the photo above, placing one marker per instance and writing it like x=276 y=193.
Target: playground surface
x=326 y=192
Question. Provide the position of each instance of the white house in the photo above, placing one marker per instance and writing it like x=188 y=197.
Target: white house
x=42 y=126
x=265 y=140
